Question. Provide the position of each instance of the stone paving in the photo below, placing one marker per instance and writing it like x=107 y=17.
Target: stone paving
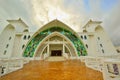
x=58 y=70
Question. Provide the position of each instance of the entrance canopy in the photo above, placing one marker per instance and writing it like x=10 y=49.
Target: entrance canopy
x=54 y=26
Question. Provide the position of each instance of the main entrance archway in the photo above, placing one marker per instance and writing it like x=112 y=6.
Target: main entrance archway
x=59 y=27
x=55 y=44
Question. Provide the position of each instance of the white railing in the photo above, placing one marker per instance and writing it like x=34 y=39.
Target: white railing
x=95 y=63
x=10 y=65
x=110 y=67
x=111 y=70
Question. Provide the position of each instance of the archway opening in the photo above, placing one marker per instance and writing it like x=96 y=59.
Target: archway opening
x=56 y=53
x=56 y=45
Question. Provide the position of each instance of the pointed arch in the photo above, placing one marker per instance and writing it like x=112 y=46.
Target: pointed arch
x=39 y=53
x=54 y=26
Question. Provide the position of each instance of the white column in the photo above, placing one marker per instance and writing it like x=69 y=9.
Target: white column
x=63 y=49
x=48 y=49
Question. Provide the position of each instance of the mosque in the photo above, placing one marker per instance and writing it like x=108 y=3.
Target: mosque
x=56 y=41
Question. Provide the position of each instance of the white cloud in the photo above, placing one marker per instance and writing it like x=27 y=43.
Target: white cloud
x=47 y=10
x=71 y=12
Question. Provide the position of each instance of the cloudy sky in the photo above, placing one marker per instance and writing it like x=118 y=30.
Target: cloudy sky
x=74 y=13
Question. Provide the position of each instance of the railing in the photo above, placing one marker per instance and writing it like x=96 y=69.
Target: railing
x=10 y=65
x=111 y=69
x=95 y=63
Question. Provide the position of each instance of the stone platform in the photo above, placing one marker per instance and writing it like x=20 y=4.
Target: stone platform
x=58 y=70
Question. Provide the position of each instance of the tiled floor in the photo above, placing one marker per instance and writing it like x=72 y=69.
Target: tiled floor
x=45 y=70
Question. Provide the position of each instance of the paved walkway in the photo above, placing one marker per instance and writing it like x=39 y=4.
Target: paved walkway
x=46 y=70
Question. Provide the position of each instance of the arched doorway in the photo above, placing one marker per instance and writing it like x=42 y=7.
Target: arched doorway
x=55 y=45
x=59 y=27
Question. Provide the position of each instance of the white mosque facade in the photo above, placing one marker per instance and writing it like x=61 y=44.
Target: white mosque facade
x=57 y=41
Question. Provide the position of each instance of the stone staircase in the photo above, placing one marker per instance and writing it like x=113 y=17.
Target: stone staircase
x=55 y=58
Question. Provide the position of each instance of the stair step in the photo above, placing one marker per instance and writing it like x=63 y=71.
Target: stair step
x=55 y=59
